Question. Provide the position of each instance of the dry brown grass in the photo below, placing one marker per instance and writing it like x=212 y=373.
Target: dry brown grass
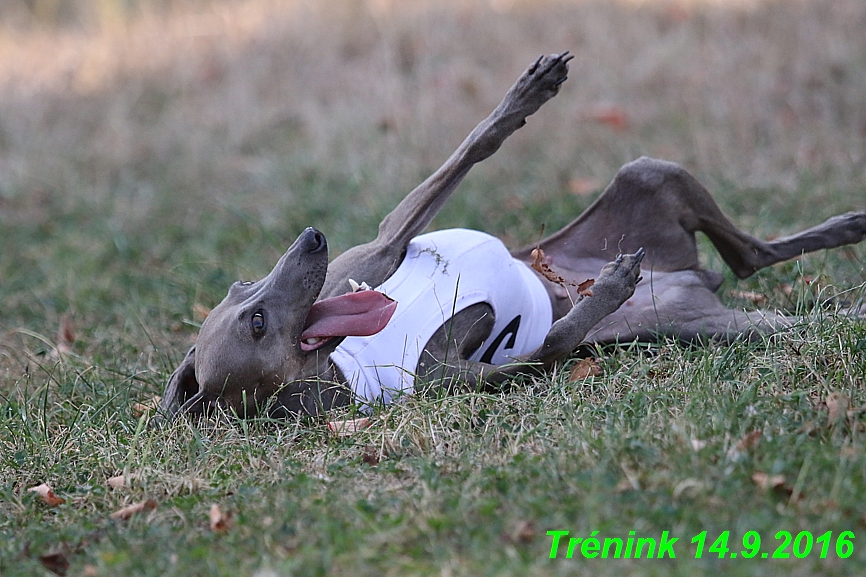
x=214 y=100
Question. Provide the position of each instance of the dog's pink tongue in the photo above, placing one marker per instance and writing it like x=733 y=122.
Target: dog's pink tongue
x=356 y=314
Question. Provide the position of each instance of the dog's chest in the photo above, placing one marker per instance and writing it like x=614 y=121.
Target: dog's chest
x=443 y=273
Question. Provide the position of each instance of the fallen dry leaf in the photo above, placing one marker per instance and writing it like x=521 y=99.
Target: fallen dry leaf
x=744 y=445
x=584 y=368
x=57 y=562
x=121 y=481
x=349 y=427
x=139 y=409
x=765 y=481
x=370 y=456
x=47 y=495
x=538 y=257
x=837 y=407
x=539 y=263
x=610 y=115
x=697 y=444
x=65 y=334
x=522 y=532
x=752 y=297
x=134 y=509
x=220 y=522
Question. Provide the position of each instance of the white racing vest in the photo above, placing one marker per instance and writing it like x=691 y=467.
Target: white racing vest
x=443 y=273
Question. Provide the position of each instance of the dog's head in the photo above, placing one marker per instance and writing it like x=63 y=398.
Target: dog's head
x=268 y=334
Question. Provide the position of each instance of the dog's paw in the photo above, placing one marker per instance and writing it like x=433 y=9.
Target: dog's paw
x=848 y=228
x=538 y=84
x=548 y=73
x=617 y=279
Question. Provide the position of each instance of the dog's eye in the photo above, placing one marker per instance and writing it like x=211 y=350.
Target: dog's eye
x=258 y=323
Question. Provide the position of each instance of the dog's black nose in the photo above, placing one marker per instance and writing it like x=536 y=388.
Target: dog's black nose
x=320 y=241
x=314 y=240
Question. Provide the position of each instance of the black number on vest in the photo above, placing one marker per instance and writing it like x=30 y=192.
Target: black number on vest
x=510 y=329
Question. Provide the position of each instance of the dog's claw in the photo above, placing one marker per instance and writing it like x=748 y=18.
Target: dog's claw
x=534 y=67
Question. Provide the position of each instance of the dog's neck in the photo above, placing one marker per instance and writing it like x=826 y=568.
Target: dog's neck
x=323 y=387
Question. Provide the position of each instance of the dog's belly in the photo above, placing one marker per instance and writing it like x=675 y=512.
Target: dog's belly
x=681 y=305
x=661 y=302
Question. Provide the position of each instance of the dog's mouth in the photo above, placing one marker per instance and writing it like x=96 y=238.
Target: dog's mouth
x=356 y=314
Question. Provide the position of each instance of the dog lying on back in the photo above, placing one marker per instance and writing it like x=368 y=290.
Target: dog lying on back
x=455 y=307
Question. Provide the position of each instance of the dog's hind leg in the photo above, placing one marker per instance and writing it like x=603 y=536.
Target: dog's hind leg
x=658 y=205
x=374 y=262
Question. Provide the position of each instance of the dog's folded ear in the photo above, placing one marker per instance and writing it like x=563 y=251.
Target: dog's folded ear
x=182 y=386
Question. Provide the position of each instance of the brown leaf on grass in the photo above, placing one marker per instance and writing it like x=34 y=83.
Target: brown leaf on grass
x=776 y=484
x=787 y=289
x=370 y=456
x=837 y=407
x=523 y=532
x=744 y=445
x=610 y=115
x=698 y=444
x=539 y=263
x=65 y=334
x=121 y=481
x=139 y=409
x=134 y=509
x=47 y=495
x=752 y=297
x=349 y=427
x=584 y=368
x=56 y=561
x=765 y=481
x=220 y=522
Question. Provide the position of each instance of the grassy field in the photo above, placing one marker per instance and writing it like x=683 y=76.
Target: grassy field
x=150 y=154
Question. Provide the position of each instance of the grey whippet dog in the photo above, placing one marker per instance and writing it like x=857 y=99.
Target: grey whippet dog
x=271 y=342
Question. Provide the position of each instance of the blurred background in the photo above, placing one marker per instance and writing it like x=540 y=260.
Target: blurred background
x=151 y=152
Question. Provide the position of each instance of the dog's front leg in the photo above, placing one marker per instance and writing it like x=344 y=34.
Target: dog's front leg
x=374 y=262
x=615 y=285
